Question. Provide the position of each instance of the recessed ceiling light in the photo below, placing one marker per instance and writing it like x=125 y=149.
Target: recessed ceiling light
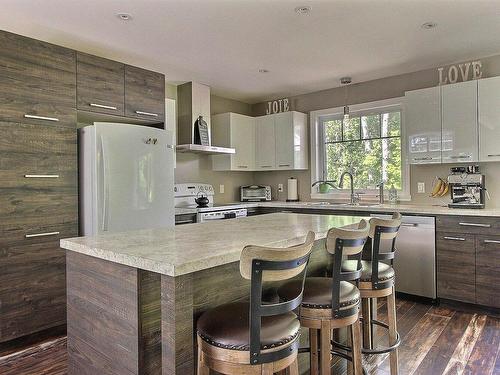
x=429 y=25
x=303 y=9
x=124 y=16
x=263 y=71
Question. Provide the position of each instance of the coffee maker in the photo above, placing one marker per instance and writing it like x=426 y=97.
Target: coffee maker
x=467 y=187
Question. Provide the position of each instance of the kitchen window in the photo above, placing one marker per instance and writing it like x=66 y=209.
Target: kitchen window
x=369 y=145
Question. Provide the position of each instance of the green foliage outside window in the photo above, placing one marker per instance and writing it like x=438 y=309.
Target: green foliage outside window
x=368 y=146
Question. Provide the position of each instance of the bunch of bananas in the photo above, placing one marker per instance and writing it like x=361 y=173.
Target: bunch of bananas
x=440 y=187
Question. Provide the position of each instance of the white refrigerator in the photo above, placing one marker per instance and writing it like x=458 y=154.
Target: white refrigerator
x=126 y=178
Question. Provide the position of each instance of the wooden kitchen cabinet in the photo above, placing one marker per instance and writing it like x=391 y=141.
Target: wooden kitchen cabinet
x=488 y=270
x=422 y=116
x=101 y=85
x=37 y=82
x=265 y=143
x=234 y=131
x=144 y=94
x=489 y=118
x=456 y=266
x=459 y=128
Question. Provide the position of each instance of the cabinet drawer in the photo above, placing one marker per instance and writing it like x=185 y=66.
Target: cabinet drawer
x=32 y=156
x=488 y=270
x=37 y=82
x=32 y=282
x=144 y=94
x=101 y=84
x=456 y=266
x=468 y=224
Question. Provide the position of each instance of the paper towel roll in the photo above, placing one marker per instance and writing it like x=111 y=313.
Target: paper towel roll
x=292 y=190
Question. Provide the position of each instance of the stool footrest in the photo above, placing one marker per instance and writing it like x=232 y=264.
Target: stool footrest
x=383 y=350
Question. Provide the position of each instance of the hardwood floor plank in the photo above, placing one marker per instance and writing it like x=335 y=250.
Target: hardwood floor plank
x=486 y=351
x=417 y=343
x=463 y=351
x=440 y=354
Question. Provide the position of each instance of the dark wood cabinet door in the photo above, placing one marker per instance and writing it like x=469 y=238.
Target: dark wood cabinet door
x=468 y=224
x=101 y=85
x=456 y=266
x=488 y=270
x=144 y=94
x=37 y=82
x=32 y=281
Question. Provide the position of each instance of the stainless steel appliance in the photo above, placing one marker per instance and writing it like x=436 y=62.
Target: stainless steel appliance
x=415 y=260
x=255 y=193
x=467 y=188
x=221 y=215
x=126 y=178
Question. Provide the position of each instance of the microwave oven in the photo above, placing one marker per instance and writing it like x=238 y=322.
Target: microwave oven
x=255 y=193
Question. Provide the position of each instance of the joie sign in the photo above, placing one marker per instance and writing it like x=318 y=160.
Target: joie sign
x=460 y=72
x=277 y=106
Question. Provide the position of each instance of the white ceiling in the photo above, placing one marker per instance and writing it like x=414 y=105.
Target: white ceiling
x=223 y=43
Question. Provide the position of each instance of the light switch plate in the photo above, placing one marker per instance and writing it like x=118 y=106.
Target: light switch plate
x=280 y=188
x=221 y=189
x=421 y=187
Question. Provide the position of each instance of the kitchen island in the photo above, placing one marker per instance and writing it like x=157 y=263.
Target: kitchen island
x=133 y=298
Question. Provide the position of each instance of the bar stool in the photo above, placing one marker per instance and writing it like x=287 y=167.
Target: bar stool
x=377 y=281
x=333 y=303
x=256 y=337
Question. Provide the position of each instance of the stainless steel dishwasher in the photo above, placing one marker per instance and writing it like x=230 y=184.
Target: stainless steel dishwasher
x=415 y=260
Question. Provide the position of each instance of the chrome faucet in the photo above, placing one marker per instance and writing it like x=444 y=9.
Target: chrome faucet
x=341 y=185
x=381 y=192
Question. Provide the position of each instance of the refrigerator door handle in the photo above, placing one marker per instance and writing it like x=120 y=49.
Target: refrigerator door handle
x=105 y=186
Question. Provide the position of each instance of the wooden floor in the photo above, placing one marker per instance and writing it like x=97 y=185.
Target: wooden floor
x=435 y=340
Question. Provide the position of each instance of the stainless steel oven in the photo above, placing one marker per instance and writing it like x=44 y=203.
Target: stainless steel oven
x=221 y=215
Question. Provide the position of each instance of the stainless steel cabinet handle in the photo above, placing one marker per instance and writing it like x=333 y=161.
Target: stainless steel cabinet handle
x=184 y=222
x=493 y=155
x=284 y=165
x=103 y=106
x=242 y=166
x=460 y=157
x=492 y=241
x=147 y=113
x=425 y=158
x=41 y=176
x=266 y=166
x=41 y=118
x=475 y=225
x=454 y=238
x=41 y=234
x=409 y=225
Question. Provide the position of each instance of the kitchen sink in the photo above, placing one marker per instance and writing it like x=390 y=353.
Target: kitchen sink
x=361 y=204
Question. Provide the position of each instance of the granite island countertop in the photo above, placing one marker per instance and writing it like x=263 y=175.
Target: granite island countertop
x=195 y=247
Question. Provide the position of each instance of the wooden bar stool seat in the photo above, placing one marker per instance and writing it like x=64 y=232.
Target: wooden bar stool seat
x=333 y=303
x=256 y=337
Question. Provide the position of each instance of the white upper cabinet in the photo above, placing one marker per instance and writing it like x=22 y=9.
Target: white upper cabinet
x=265 y=143
x=422 y=118
x=238 y=132
x=489 y=119
x=291 y=140
x=459 y=128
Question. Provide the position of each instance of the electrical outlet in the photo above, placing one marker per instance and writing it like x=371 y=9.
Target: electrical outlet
x=221 y=189
x=280 y=188
x=421 y=187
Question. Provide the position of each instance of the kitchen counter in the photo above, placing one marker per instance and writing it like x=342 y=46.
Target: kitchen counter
x=127 y=290
x=185 y=249
x=367 y=207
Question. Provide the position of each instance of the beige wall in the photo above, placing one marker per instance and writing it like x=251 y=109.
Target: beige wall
x=390 y=87
x=198 y=168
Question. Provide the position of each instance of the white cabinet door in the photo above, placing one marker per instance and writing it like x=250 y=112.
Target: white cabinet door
x=283 y=125
x=460 y=131
x=489 y=119
x=242 y=130
x=423 y=125
x=265 y=143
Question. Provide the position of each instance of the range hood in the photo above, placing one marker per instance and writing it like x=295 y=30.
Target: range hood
x=193 y=102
